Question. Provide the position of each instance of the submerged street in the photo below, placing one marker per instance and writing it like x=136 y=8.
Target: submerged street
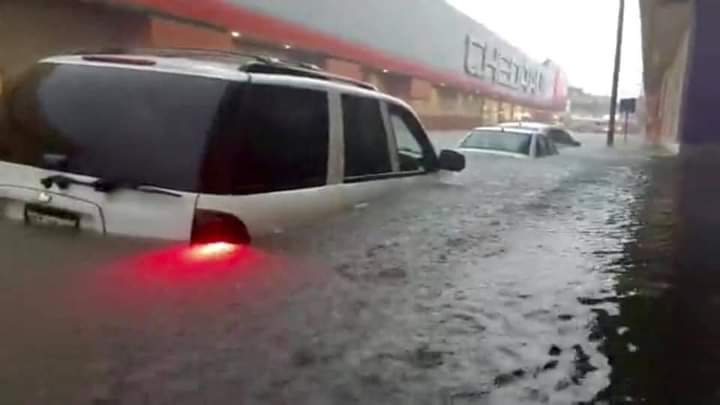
x=516 y=281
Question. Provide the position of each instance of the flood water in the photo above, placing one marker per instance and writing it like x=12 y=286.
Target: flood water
x=516 y=282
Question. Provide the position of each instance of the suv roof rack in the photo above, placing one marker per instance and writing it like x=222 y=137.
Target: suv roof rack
x=249 y=63
x=278 y=67
x=170 y=53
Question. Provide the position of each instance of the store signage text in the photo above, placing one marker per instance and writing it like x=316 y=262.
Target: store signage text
x=491 y=63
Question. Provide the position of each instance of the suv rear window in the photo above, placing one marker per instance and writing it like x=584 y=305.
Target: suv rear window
x=146 y=127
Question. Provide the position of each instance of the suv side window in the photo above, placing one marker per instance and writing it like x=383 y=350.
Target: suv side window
x=414 y=151
x=269 y=138
x=366 y=142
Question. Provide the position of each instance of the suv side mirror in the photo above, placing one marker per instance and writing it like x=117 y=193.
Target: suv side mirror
x=451 y=160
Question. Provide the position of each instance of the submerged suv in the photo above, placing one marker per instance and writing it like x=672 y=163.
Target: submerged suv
x=200 y=145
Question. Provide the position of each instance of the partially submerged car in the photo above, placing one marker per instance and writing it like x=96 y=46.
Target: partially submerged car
x=559 y=135
x=511 y=142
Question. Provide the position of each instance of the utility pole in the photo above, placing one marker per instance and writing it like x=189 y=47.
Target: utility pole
x=616 y=75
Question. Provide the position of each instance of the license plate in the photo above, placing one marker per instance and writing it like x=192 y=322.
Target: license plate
x=51 y=217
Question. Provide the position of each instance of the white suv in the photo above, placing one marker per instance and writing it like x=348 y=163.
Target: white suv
x=200 y=145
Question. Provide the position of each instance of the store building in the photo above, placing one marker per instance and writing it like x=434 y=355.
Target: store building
x=455 y=72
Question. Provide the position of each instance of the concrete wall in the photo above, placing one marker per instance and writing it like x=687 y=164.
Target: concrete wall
x=667 y=39
x=670 y=104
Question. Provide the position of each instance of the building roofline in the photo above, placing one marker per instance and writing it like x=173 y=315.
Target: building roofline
x=271 y=29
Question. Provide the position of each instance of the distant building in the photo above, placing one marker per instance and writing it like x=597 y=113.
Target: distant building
x=587 y=105
x=455 y=72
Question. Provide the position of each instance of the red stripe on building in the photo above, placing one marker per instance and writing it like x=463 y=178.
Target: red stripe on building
x=270 y=29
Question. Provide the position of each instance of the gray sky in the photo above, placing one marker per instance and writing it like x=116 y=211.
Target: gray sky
x=579 y=35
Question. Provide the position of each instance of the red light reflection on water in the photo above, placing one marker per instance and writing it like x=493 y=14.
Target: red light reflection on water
x=170 y=285
x=189 y=264
x=181 y=276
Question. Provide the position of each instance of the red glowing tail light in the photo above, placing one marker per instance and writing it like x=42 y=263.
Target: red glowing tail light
x=212 y=227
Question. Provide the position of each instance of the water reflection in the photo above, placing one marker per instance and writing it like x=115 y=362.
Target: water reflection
x=663 y=343
x=558 y=281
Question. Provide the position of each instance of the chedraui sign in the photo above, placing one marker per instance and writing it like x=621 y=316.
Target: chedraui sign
x=497 y=65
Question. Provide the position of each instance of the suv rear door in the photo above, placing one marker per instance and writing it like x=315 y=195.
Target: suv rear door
x=126 y=142
x=270 y=164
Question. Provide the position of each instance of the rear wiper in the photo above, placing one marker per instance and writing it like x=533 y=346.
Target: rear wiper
x=63 y=182
x=110 y=186
x=102 y=185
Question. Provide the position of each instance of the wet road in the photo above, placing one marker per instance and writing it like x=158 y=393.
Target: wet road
x=514 y=282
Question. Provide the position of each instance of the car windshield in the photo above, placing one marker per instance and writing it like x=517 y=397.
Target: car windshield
x=113 y=123
x=500 y=141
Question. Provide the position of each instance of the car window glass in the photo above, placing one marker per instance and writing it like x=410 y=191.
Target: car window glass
x=405 y=140
x=541 y=146
x=270 y=138
x=502 y=141
x=408 y=133
x=547 y=145
x=560 y=136
x=366 y=142
x=113 y=123
x=552 y=147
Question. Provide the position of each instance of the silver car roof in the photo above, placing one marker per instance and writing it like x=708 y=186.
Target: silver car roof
x=514 y=130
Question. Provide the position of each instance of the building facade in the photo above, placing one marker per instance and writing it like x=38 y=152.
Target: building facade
x=454 y=71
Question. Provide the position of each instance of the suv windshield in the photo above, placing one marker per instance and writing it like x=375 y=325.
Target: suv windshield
x=146 y=127
x=500 y=141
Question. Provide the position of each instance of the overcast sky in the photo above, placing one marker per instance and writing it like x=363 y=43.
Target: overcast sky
x=579 y=35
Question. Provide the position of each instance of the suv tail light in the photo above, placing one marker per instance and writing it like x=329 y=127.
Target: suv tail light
x=213 y=226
